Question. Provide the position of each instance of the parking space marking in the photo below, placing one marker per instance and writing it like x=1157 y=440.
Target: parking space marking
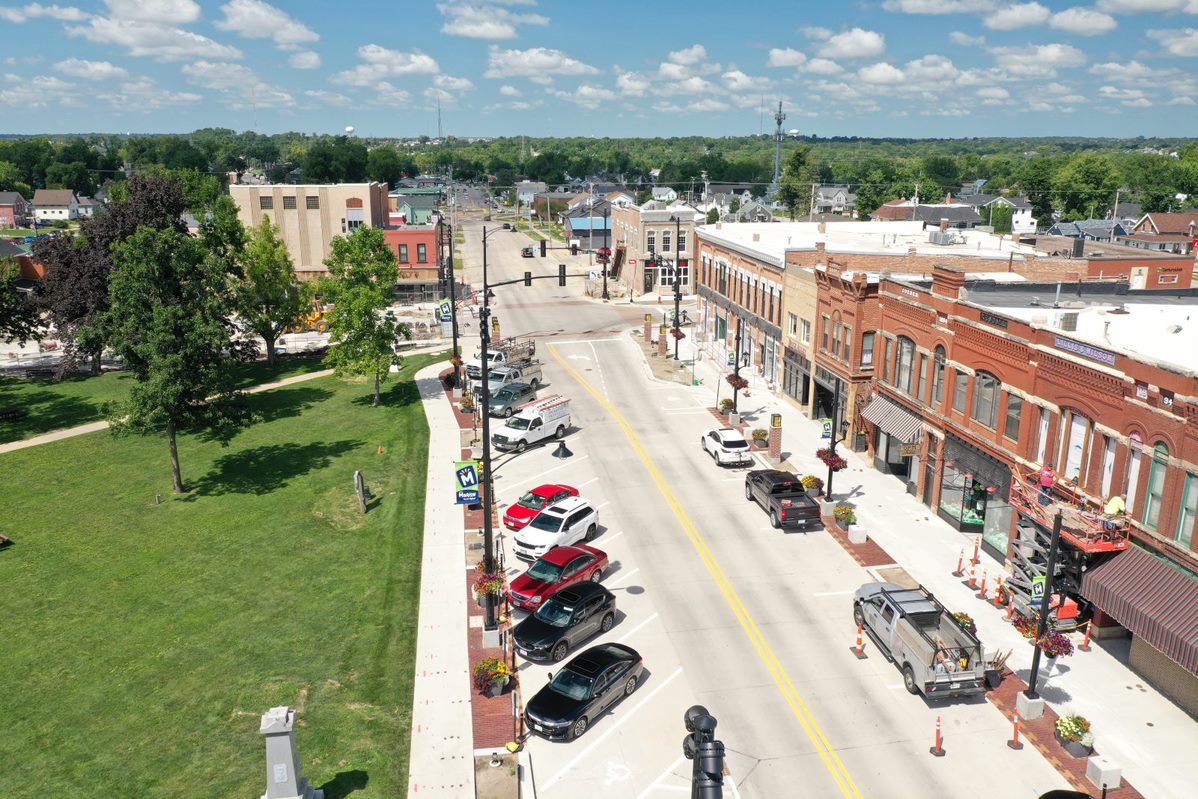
x=604 y=505
x=608 y=539
x=833 y=593
x=844 y=782
x=630 y=633
x=587 y=483
x=574 y=761
x=624 y=576
x=572 y=462
x=653 y=785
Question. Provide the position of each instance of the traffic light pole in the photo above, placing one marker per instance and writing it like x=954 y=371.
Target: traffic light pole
x=736 y=369
x=607 y=249
x=705 y=753
x=677 y=286
x=1045 y=601
x=832 y=437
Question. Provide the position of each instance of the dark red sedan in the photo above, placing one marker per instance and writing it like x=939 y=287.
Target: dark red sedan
x=519 y=514
x=553 y=571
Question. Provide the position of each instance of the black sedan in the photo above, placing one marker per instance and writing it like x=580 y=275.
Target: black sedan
x=565 y=620
x=585 y=687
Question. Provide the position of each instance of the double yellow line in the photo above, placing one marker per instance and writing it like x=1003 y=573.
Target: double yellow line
x=764 y=651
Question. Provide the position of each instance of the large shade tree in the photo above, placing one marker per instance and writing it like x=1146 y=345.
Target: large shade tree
x=269 y=297
x=169 y=314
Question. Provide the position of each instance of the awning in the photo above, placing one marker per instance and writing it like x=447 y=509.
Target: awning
x=1154 y=599
x=890 y=418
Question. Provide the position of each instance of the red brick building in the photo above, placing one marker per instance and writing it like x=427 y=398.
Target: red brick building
x=417 y=254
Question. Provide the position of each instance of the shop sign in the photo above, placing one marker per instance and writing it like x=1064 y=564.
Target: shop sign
x=466 y=480
x=1085 y=350
x=909 y=450
x=991 y=319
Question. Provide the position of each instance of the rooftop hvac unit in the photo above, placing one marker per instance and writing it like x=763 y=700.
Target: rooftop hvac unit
x=942 y=238
x=1069 y=321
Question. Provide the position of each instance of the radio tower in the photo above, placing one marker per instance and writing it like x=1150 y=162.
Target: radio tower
x=439 y=134
x=778 y=118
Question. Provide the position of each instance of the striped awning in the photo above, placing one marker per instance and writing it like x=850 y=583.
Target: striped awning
x=890 y=418
x=1154 y=599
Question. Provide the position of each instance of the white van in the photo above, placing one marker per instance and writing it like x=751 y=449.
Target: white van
x=544 y=418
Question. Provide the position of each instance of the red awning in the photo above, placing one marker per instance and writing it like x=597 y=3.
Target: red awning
x=1151 y=597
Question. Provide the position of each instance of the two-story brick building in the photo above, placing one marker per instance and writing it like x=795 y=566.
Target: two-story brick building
x=641 y=232
x=418 y=255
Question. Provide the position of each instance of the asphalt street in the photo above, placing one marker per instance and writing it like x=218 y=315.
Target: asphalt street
x=750 y=622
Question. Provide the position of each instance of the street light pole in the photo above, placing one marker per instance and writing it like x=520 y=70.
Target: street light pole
x=832 y=438
x=1045 y=600
x=606 y=248
x=677 y=284
x=736 y=370
x=489 y=622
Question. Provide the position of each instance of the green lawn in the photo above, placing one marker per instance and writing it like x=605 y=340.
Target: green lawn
x=52 y=405
x=143 y=641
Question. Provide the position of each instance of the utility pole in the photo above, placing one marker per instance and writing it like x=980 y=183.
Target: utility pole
x=779 y=118
x=484 y=317
x=1045 y=601
x=606 y=248
x=811 y=210
x=736 y=369
x=832 y=436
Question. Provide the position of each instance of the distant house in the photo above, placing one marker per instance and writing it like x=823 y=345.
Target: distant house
x=15 y=210
x=664 y=194
x=972 y=187
x=55 y=205
x=88 y=207
x=590 y=231
x=835 y=200
x=526 y=190
x=1088 y=229
x=894 y=210
x=1127 y=213
x=31 y=270
x=1022 y=221
x=752 y=211
x=1161 y=232
x=960 y=217
x=411 y=209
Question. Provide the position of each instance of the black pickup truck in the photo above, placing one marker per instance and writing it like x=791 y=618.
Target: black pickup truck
x=783 y=497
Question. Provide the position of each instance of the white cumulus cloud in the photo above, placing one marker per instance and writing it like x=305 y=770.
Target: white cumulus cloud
x=304 y=59
x=91 y=70
x=452 y=84
x=689 y=56
x=1083 y=22
x=163 y=12
x=1182 y=43
x=509 y=91
x=854 y=43
x=965 y=40
x=937 y=6
x=382 y=62
x=255 y=19
x=484 y=21
x=153 y=40
x=1018 y=15
x=633 y=84
x=823 y=66
x=328 y=98
x=880 y=72
x=36 y=10
x=535 y=63
x=785 y=57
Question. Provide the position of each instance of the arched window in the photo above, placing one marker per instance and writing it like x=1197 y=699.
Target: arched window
x=938 y=359
x=985 y=399
x=904 y=367
x=1155 y=495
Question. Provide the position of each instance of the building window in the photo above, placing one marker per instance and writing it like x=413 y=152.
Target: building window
x=1156 y=486
x=682 y=241
x=885 y=360
x=266 y=203
x=1075 y=439
x=836 y=333
x=403 y=253
x=1042 y=436
x=312 y=203
x=422 y=253
x=923 y=378
x=904 y=369
x=1166 y=279
x=289 y=202
x=792 y=324
x=771 y=308
x=1132 y=478
x=960 y=389
x=1189 y=509
x=867 y=349
x=985 y=399
x=651 y=241
x=805 y=331
x=938 y=376
x=848 y=344
x=827 y=324
x=1108 y=464
x=1010 y=427
x=665 y=241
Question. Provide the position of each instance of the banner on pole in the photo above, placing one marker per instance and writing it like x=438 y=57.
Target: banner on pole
x=827 y=428
x=466 y=480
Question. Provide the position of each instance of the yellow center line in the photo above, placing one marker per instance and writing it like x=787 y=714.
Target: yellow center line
x=764 y=651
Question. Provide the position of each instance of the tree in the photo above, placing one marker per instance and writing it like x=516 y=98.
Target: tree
x=18 y=314
x=361 y=288
x=74 y=293
x=734 y=205
x=169 y=316
x=269 y=297
x=713 y=216
x=795 y=190
x=942 y=172
x=385 y=165
x=1085 y=187
x=999 y=217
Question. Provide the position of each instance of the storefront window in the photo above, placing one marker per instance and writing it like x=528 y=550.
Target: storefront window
x=962 y=498
x=1156 y=486
x=1189 y=509
x=938 y=376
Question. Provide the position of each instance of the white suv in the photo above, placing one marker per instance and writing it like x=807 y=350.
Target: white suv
x=568 y=522
x=728 y=447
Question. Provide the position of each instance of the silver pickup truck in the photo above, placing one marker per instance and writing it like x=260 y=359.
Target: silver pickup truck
x=529 y=373
x=937 y=656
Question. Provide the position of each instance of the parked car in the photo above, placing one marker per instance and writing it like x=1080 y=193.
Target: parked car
x=582 y=690
x=527 y=253
x=505 y=400
x=783 y=497
x=507 y=225
x=528 y=372
x=524 y=509
x=568 y=522
x=727 y=447
x=567 y=619
x=548 y=417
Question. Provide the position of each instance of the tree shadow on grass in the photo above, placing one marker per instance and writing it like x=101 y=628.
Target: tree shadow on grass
x=42 y=412
x=345 y=783
x=261 y=470
x=404 y=392
x=281 y=403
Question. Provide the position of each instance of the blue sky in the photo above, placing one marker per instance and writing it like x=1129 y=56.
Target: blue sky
x=618 y=68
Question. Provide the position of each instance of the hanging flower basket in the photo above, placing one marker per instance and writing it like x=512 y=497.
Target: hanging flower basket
x=677 y=334
x=830 y=459
x=738 y=383
x=456 y=360
x=1055 y=645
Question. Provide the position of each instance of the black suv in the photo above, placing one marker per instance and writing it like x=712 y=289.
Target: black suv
x=564 y=620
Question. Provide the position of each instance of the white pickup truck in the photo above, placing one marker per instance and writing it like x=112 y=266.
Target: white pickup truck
x=528 y=372
x=511 y=353
x=548 y=417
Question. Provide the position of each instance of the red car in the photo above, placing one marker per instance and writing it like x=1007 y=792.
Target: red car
x=553 y=571
x=521 y=513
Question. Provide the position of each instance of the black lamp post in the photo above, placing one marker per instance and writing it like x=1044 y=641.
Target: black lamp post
x=449 y=277
x=484 y=317
x=832 y=437
x=1045 y=600
x=606 y=248
x=677 y=283
x=736 y=369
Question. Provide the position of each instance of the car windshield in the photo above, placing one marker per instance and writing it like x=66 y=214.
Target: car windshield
x=555 y=613
x=501 y=395
x=531 y=500
x=544 y=571
x=519 y=424
x=735 y=443
x=547 y=521
x=496 y=377
x=572 y=684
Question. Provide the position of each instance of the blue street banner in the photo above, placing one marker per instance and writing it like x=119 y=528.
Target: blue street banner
x=466 y=480
x=444 y=311
x=827 y=428
x=1038 y=590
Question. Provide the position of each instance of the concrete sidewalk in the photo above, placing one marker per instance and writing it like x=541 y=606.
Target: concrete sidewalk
x=1150 y=737
x=441 y=762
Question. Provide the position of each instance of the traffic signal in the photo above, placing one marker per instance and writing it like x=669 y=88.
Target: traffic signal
x=573 y=248
x=528 y=278
x=544 y=247
x=705 y=753
x=561 y=274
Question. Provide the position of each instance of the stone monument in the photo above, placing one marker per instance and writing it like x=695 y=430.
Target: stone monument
x=283 y=777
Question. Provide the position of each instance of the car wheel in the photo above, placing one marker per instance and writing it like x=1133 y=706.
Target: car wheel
x=591 y=531
x=857 y=615
x=748 y=493
x=775 y=522
x=534 y=383
x=608 y=621
x=521 y=446
x=630 y=686
x=560 y=433
x=909 y=680
x=507 y=412
x=596 y=575
x=579 y=728
x=560 y=651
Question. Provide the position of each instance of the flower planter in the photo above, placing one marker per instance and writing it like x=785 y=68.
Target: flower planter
x=1075 y=748
x=826 y=506
x=733 y=418
x=993 y=678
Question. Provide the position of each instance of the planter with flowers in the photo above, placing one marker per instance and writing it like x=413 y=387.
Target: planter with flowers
x=813 y=484
x=761 y=437
x=1053 y=644
x=831 y=459
x=677 y=334
x=844 y=515
x=491 y=676
x=737 y=382
x=1073 y=733
x=725 y=405
x=966 y=623
x=486 y=583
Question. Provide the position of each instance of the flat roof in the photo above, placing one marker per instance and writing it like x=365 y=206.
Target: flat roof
x=774 y=239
